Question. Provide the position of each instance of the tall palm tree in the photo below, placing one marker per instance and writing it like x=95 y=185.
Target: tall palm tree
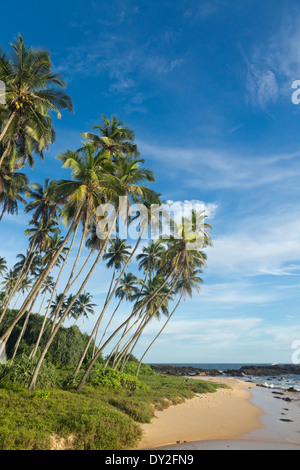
x=117 y=255
x=3 y=265
x=43 y=204
x=114 y=137
x=185 y=285
x=33 y=91
x=95 y=180
x=13 y=186
x=155 y=298
x=83 y=307
x=150 y=258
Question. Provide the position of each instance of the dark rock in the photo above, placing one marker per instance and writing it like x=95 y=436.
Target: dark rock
x=292 y=389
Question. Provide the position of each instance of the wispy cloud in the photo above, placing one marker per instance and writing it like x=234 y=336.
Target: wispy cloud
x=273 y=65
x=215 y=168
x=120 y=57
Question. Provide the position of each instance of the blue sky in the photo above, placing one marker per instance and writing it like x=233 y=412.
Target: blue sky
x=207 y=87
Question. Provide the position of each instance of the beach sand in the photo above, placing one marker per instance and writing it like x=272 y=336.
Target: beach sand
x=242 y=417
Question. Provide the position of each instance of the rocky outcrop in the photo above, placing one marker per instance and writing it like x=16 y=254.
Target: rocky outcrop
x=275 y=370
x=183 y=370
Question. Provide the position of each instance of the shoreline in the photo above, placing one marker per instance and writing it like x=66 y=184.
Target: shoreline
x=243 y=417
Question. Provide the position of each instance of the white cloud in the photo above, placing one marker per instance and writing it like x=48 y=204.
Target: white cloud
x=275 y=64
x=217 y=169
x=261 y=245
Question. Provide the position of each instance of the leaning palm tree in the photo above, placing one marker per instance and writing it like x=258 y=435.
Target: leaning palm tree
x=155 y=298
x=185 y=285
x=114 y=137
x=33 y=91
x=83 y=307
x=126 y=290
x=116 y=256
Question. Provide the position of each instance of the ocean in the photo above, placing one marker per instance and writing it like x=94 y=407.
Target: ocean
x=277 y=383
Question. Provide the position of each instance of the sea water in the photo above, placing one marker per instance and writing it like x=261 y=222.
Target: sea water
x=270 y=381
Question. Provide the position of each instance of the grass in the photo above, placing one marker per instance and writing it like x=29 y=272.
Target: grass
x=95 y=418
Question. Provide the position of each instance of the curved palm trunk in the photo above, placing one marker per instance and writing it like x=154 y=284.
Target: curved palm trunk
x=133 y=314
x=32 y=384
x=23 y=329
x=106 y=328
x=107 y=297
x=5 y=128
x=68 y=285
x=38 y=284
x=124 y=356
x=139 y=332
x=106 y=305
x=20 y=277
x=116 y=353
x=158 y=334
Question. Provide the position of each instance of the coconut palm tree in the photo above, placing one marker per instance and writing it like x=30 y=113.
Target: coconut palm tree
x=127 y=288
x=33 y=91
x=3 y=265
x=43 y=204
x=83 y=307
x=185 y=285
x=95 y=180
x=156 y=301
x=13 y=186
x=150 y=258
x=114 y=137
x=117 y=255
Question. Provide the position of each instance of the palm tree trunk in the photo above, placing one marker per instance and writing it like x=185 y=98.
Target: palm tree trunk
x=106 y=305
x=158 y=334
x=143 y=325
x=23 y=329
x=38 y=284
x=20 y=278
x=124 y=356
x=116 y=353
x=95 y=358
x=34 y=351
x=107 y=297
x=110 y=320
x=5 y=128
x=68 y=285
x=32 y=384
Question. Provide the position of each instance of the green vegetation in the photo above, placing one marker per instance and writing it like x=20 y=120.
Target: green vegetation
x=103 y=416
x=56 y=387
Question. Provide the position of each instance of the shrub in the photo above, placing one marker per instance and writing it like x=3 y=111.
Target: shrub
x=21 y=370
x=112 y=378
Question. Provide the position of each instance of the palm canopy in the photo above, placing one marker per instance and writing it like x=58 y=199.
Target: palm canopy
x=150 y=258
x=41 y=234
x=114 y=137
x=117 y=254
x=13 y=186
x=43 y=203
x=93 y=183
x=154 y=295
x=33 y=91
x=127 y=287
x=3 y=265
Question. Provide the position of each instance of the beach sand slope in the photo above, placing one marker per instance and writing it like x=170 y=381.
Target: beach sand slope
x=226 y=414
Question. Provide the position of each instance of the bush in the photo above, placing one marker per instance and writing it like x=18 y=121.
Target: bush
x=112 y=378
x=21 y=370
x=145 y=370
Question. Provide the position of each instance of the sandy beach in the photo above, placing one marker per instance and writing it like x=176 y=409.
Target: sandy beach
x=242 y=417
